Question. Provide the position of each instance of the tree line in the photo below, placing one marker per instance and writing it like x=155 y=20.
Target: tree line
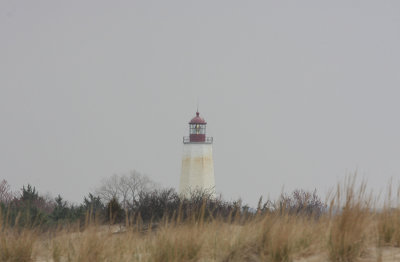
x=134 y=198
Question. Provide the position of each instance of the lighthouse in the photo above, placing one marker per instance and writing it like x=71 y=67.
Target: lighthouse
x=197 y=160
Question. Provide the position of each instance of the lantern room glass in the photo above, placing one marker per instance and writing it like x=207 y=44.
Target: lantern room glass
x=197 y=129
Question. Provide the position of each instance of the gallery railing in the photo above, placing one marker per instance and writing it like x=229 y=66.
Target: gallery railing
x=208 y=140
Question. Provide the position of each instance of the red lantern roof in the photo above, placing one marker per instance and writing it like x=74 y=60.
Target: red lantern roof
x=197 y=119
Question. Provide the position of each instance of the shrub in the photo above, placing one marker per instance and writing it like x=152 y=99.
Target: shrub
x=115 y=213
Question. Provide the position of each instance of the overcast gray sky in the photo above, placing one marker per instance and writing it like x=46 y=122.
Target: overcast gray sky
x=296 y=93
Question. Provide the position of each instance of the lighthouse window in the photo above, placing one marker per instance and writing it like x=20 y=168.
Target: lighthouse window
x=192 y=129
x=197 y=129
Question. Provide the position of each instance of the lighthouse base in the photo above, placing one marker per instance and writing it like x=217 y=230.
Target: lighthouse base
x=197 y=169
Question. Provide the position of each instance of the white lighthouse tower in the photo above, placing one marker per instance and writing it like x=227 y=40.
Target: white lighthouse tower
x=197 y=161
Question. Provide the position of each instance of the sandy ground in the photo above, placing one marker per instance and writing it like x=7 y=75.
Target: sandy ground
x=385 y=254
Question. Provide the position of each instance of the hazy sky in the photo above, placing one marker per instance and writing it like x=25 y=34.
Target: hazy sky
x=296 y=93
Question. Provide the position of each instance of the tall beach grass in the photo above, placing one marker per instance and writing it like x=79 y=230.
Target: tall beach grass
x=353 y=228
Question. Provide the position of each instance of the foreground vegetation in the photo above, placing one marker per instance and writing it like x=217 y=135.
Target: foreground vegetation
x=351 y=226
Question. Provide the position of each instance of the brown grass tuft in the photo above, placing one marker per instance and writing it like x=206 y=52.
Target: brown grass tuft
x=351 y=210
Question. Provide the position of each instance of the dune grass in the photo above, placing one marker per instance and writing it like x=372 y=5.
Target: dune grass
x=352 y=227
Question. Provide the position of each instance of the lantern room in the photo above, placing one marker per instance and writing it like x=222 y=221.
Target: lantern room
x=197 y=131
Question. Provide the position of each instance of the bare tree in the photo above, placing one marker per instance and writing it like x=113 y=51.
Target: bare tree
x=109 y=188
x=6 y=194
x=124 y=188
x=138 y=183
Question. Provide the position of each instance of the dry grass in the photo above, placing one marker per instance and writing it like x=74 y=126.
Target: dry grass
x=349 y=228
x=353 y=230
x=16 y=246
